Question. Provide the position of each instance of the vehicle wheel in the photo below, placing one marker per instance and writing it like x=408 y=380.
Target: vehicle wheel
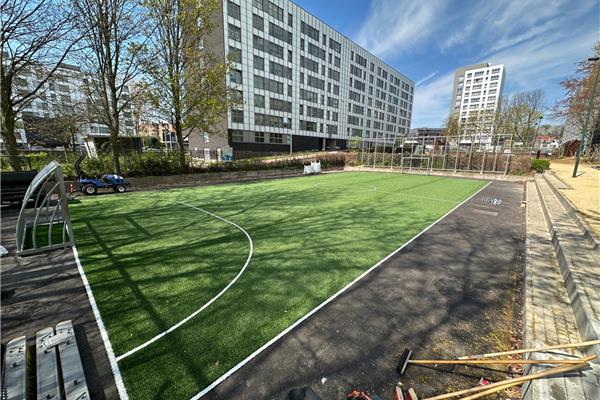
x=119 y=189
x=89 y=190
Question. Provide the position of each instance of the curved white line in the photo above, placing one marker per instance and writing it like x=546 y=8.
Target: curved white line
x=265 y=346
x=198 y=311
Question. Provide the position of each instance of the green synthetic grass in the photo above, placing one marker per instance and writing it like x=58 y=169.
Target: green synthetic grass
x=152 y=261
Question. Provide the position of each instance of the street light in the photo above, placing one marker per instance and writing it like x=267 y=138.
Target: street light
x=587 y=117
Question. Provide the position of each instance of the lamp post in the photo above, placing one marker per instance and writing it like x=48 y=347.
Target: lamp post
x=587 y=117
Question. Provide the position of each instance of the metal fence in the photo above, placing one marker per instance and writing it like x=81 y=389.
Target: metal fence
x=497 y=154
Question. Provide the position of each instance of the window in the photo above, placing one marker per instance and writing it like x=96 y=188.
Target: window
x=259 y=137
x=315 y=82
x=258 y=22
x=335 y=46
x=333 y=74
x=290 y=19
x=276 y=138
x=314 y=112
x=270 y=8
x=237 y=116
x=259 y=101
x=309 y=96
x=308 y=126
x=280 y=105
x=316 y=51
x=237 y=96
x=233 y=10
x=280 y=33
x=237 y=136
x=268 y=47
x=333 y=102
x=354 y=96
x=359 y=85
x=259 y=63
x=361 y=61
x=235 y=54
x=354 y=70
x=336 y=90
x=309 y=31
x=309 y=64
x=267 y=84
x=234 y=33
x=280 y=70
x=235 y=76
x=270 y=120
x=337 y=62
x=332 y=129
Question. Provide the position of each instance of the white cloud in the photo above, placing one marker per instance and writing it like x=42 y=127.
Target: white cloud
x=394 y=26
x=428 y=77
x=539 y=41
x=432 y=102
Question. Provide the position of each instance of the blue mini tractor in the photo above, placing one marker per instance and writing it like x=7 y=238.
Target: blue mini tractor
x=90 y=186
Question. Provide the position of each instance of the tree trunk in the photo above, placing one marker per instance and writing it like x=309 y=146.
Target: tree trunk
x=179 y=134
x=7 y=126
x=114 y=133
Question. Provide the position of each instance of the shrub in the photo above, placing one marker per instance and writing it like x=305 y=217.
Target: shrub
x=540 y=165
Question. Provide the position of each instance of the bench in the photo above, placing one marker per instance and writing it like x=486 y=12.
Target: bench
x=58 y=369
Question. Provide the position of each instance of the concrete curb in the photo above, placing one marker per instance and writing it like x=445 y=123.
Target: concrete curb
x=589 y=326
x=575 y=215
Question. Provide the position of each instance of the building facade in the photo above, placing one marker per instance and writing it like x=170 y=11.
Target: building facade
x=428 y=132
x=476 y=97
x=62 y=104
x=301 y=81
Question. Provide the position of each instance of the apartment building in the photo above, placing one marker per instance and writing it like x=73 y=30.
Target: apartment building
x=62 y=102
x=476 y=97
x=302 y=81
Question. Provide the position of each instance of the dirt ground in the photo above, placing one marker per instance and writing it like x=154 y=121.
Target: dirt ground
x=585 y=194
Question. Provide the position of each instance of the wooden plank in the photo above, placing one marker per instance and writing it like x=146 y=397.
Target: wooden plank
x=46 y=366
x=70 y=362
x=14 y=386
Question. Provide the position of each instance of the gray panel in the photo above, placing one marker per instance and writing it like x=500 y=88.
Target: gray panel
x=46 y=366
x=70 y=362
x=15 y=370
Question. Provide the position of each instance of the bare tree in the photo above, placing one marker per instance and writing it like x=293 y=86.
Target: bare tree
x=187 y=80
x=521 y=114
x=578 y=91
x=36 y=37
x=111 y=31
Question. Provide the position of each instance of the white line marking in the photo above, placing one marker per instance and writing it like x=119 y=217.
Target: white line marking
x=323 y=304
x=198 y=311
x=107 y=345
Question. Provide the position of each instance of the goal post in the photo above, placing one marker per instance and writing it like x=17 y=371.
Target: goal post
x=43 y=223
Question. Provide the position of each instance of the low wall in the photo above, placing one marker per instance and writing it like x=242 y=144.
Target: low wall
x=470 y=175
x=208 y=178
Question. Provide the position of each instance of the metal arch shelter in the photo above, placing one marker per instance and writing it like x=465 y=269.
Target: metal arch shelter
x=49 y=210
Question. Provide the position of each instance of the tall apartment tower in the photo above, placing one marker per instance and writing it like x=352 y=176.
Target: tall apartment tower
x=300 y=79
x=476 y=96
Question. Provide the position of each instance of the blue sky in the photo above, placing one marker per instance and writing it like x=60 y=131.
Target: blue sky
x=539 y=41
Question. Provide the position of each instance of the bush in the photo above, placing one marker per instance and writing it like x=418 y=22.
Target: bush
x=540 y=165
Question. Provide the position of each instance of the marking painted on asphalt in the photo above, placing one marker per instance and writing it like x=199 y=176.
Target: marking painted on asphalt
x=324 y=303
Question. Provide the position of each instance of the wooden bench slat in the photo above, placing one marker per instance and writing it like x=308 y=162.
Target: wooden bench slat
x=46 y=367
x=70 y=362
x=15 y=370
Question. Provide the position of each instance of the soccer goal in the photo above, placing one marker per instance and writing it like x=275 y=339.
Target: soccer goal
x=419 y=163
x=44 y=223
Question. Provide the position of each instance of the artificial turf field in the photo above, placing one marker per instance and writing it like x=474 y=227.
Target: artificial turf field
x=154 y=258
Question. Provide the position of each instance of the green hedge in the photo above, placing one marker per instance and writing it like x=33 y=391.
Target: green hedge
x=540 y=165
